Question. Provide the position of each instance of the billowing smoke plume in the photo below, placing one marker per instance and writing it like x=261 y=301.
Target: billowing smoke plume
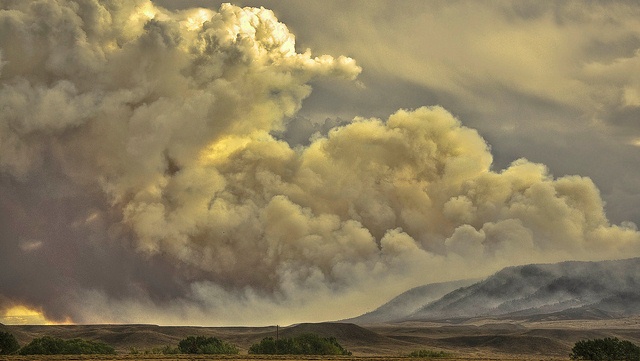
x=140 y=180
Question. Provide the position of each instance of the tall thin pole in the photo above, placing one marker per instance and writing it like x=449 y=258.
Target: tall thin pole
x=277 y=336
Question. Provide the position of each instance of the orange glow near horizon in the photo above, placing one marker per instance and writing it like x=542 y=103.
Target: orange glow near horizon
x=22 y=315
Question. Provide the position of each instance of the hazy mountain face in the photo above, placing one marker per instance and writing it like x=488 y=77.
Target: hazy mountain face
x=410 y=302
x=539 y=289
x=144 y=178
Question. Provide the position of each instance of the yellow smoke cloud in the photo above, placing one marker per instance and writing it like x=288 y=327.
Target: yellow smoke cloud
x=23 y=315
x=169 y=116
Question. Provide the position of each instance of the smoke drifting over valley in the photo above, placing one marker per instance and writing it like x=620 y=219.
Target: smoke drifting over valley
x=145 y=176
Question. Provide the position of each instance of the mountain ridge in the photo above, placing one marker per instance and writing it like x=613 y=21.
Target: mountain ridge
x=605 y=289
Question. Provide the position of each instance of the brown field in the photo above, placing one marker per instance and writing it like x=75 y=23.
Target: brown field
x=265 y=358
x=478 y=339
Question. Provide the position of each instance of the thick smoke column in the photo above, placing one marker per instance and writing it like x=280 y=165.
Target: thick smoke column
x=140 y=182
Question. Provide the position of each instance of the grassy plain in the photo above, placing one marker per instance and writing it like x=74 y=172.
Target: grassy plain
x=265 y=358
x=476 y=339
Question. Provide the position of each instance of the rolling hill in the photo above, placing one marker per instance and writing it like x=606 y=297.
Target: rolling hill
x=567 y=290
x=127 y=337
x=410 y=301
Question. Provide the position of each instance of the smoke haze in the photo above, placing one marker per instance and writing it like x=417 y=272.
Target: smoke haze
x=148 y=174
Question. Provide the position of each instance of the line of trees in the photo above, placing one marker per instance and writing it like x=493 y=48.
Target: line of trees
x=206 y=345
x=48 y=345
x=606 y=349
x=305 y=344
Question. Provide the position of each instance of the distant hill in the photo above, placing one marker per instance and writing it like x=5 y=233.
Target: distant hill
x=145 y=337
x=567 y=290
x=410 y=301
x=351 y=336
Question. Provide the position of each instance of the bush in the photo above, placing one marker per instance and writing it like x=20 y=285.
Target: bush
x=168 y=350
x=206 y=345
x=8 y=344
x=164 y=350
x=429 y=354
x=55 y=346
x=607 y=349
x=305 y=344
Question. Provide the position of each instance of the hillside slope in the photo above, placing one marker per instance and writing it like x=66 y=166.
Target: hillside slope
x=501 y=340
x=409 y=302
x=567 y=290
x=124 y=338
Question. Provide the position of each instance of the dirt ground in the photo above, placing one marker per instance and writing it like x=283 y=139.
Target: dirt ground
x=263 y=358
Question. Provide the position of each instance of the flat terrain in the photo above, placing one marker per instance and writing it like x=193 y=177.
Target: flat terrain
x=250 y=358
x=473 y=339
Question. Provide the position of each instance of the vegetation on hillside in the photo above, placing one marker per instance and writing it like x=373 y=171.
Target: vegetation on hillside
x=305 y=344
x=429 y=354
x=8 y=344
x=163 y=350
x=206 y=345
x=607 y=349
x=48 y=345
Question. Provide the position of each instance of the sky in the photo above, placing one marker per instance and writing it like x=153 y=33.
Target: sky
x=188 y=162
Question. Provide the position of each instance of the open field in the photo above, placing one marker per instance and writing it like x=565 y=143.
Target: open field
x=263 y=358
x=475 y=339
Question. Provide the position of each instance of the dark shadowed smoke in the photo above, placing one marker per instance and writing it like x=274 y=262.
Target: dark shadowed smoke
x=100 y=101
x=49 y=251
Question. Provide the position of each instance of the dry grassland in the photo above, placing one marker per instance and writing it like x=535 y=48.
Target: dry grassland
x=478 y=339
x=266 y=358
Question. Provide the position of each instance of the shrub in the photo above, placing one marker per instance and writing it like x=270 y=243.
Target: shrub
x=429 y=354
x=305 y=344
x=206 y=345
x=163 y=350
x=168 y=350
x=55 y=346
x=8 y=344
x=607 y=349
